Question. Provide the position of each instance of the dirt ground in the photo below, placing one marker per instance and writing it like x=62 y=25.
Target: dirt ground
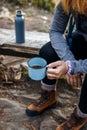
x=14 y=97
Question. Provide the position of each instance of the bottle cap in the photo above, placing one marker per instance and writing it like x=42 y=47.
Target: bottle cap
x=19 y=13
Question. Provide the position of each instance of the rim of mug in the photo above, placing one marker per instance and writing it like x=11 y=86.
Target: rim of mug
x=38 y=58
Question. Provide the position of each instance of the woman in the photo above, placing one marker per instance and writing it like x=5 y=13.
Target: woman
x=62 y=60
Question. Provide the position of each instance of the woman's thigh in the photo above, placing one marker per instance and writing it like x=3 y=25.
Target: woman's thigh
x=48 y=53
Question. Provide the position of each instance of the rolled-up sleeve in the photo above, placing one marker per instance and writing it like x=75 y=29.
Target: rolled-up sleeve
x=79 y=66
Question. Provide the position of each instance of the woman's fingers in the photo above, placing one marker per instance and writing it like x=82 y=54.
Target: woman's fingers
x=55 y=64
x=51 y=73
x=51 y=76
x=74 y=80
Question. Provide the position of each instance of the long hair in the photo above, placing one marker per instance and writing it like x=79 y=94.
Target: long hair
x=79 y=6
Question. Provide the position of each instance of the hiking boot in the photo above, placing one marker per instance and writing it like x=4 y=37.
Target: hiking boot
x=47 y=100
x=74 y=123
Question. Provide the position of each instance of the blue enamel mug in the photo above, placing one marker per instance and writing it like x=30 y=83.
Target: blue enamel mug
x=37 y=68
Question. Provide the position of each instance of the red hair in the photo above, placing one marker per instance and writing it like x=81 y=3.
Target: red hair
x=79 y=6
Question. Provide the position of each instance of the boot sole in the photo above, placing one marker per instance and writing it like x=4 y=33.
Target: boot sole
x=35 y=113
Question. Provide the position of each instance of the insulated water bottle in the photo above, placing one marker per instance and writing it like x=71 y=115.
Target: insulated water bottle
x=19 y=27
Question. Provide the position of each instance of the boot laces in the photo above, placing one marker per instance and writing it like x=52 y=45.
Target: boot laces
x=44 y=97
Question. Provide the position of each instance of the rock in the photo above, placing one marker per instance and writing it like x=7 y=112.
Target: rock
x=48 y=125
x=32 y=38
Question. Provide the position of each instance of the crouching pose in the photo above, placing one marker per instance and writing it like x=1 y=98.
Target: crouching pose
x=65 y=60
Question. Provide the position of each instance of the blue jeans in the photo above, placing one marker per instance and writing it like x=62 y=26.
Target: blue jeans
x=79 y=49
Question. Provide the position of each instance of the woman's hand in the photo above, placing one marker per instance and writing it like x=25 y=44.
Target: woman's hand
x=56 y=69
x=74 y=80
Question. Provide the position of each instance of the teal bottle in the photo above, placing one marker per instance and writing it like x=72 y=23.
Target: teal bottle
x=19 y=27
